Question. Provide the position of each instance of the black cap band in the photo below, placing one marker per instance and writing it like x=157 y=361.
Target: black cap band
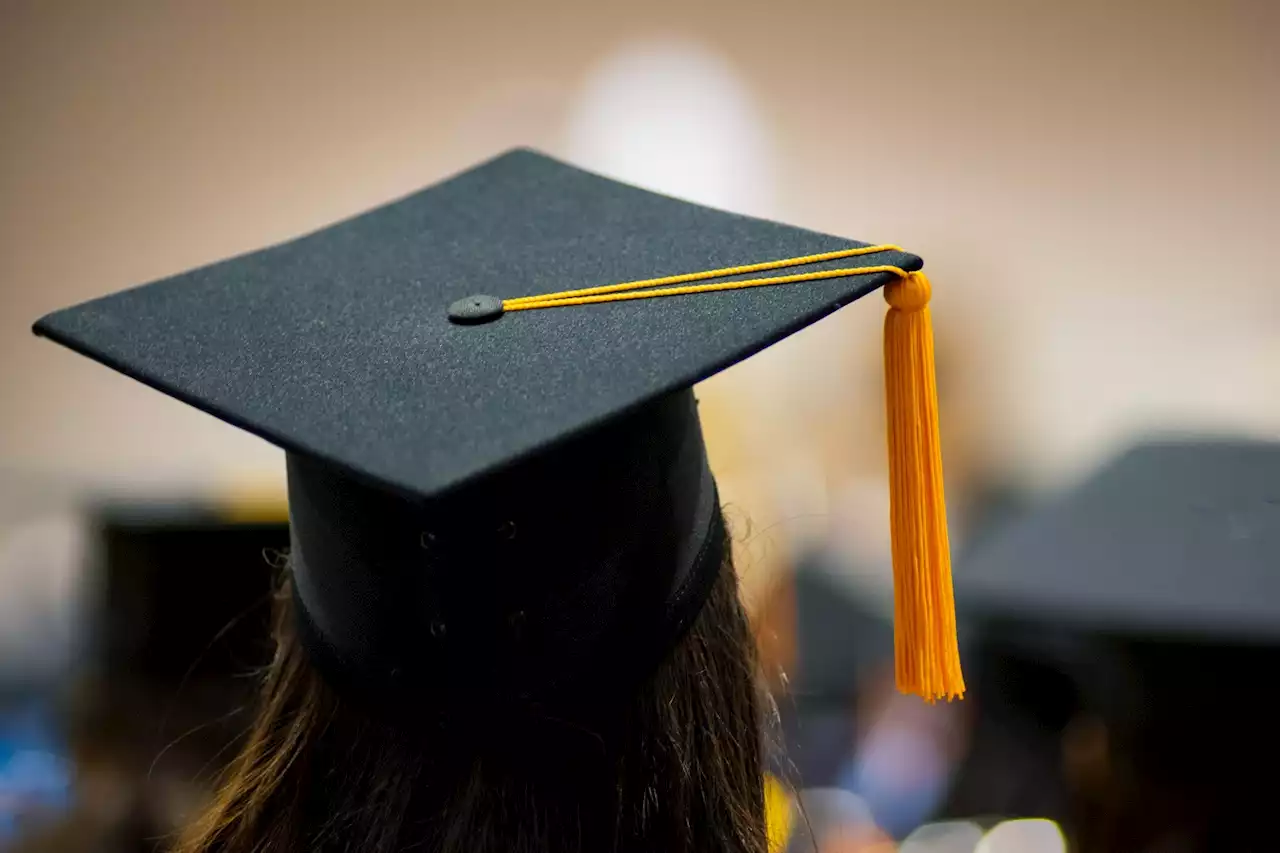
x=573 y=571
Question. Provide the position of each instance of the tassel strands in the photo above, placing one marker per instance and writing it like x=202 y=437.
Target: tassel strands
x=926 y=651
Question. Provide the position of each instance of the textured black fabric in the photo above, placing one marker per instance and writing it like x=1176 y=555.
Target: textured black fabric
x=338 y=344
x=1171 y=538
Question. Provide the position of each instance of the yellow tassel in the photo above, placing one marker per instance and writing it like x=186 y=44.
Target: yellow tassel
x=926 y=652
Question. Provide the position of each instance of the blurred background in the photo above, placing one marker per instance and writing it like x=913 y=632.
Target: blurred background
x=1093 y=185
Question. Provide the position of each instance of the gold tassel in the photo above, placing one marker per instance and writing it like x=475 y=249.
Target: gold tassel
x=926 y=651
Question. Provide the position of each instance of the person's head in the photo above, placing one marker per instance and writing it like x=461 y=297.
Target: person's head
x=676 y=766
x=518 y=684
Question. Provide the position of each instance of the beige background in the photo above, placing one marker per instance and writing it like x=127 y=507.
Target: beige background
x=1094 y=186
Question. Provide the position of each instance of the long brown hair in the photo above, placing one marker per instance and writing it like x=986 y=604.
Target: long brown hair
x=676 y=767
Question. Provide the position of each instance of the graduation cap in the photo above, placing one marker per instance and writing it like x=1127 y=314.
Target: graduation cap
x=1145 y=603
x=496 y=469
x=1171 y=538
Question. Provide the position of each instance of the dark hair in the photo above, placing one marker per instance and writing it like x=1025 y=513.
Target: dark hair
x=676 y=766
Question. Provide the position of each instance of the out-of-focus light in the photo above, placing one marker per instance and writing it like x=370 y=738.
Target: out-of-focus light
x=1024 y=836
x=833 y=806
x=833 y=819
x=959 y=836
x=673 y=116
x=41 y=565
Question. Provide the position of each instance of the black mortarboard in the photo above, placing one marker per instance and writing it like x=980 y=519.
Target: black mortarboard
x=1170 y=538
x=517 y=502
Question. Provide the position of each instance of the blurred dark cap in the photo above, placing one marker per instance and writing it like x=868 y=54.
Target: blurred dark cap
x=1177 y=539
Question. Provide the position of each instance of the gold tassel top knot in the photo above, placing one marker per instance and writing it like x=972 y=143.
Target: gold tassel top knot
x=911 y=293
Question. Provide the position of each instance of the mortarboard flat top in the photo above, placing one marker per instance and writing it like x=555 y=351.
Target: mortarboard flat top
x=1172 y=538
x=338 y=344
